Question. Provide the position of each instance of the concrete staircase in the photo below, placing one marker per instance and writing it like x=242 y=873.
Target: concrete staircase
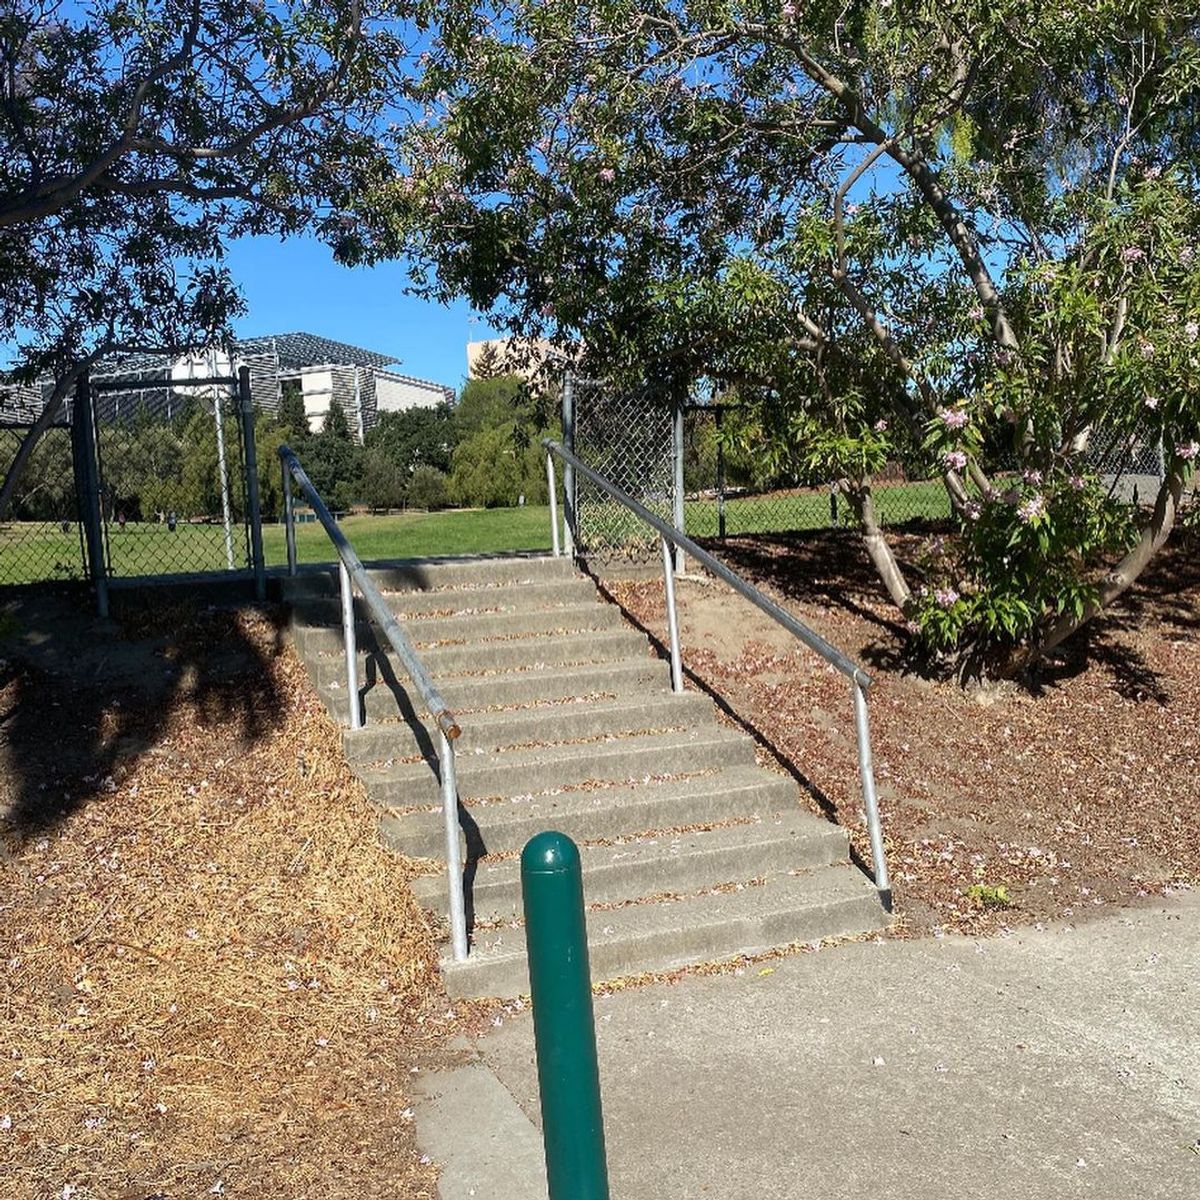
x=691 y=850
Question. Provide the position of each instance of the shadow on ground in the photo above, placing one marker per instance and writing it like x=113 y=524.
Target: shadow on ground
x=82 y=699
x=830 y=568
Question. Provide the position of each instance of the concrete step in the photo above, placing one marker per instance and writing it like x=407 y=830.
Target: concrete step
x=468 y=628
x=519 y=772
x=432 y=574
x=658 y=863
x=634 y=678
x=605 y=645
x=326 y=609
x=504 y=826
x=829 y=902
x=527 y=726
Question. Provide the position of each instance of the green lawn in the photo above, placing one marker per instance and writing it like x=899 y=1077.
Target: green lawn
x=419 y=535
x=32 y=551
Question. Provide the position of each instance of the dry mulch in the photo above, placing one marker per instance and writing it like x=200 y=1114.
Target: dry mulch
x=213 y=980
x=1073 y=791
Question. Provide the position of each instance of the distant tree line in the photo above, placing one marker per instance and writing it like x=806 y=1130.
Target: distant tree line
x=482 y=452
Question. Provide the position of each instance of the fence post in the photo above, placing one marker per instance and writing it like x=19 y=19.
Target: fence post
x=678 y=516
x=87 y=483
x=720 y=475
x=570 y=526
x=564 y=1027
x=253 y=505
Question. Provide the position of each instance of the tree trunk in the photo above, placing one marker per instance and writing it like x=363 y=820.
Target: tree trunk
x=878 y=550
x=1126 y=572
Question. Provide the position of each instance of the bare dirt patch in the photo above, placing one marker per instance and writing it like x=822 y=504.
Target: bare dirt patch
x=1072 y=791
x=213 y=980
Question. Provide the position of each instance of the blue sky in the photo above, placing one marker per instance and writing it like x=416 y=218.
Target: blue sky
x=295 y=285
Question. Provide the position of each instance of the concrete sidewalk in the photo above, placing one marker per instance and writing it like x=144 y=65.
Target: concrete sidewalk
x=1057 y=1063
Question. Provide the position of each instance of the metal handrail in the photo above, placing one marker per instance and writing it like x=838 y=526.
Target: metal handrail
x=670 y=536
x=353 y=574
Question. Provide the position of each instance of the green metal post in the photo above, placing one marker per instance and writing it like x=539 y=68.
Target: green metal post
x=563 y=1025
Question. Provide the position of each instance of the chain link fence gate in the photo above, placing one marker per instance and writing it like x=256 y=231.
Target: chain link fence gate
x=172 y=479
x=626 y=435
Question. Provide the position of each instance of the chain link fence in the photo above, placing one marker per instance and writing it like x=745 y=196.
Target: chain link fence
x=41 y=536
x=172 y=481
x=625 y=435
x=730 y=489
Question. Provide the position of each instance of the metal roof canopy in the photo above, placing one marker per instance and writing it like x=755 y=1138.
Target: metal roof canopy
x=138 y=385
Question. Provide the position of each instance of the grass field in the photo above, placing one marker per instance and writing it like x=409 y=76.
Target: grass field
x=31 y=551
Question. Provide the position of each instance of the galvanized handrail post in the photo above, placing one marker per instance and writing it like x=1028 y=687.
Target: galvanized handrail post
x=672 y=617
x=866 y=771
x=289 y=520
x=550 y=485
x=348 y=633
x=454 y=867
x=253 y=505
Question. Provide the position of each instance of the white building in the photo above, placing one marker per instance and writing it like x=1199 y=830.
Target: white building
x=364 y=381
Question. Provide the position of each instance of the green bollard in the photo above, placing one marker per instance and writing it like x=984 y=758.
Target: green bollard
x=564 y=1029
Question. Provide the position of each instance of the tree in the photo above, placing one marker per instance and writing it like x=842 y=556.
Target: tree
x=138 y=140
x=416 y=437
x=383 y=482
x=427 y=489
x=333 y=460
x=488 y=363
x=497 y=400
x=292 y=414
x=947 y=226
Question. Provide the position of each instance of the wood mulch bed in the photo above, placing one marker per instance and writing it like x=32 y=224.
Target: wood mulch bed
x=1073 y=791
x=213 y=980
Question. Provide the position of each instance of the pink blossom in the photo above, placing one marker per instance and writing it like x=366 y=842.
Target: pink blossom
x=946 y=597
x=954 y=459
x=972 y=510
x=1188 y=450
x=1032 y=477
x=1192 y=330
x=1151 y=402
x=953 y=418
x=606 y=174
x=1145 y=348
x=1029 y=510
x=912 y=626
x=880 y=426
x=1132 y=254
x=789 y=10
x=1185 y=255
x=1076 y=483
x=975 y=313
